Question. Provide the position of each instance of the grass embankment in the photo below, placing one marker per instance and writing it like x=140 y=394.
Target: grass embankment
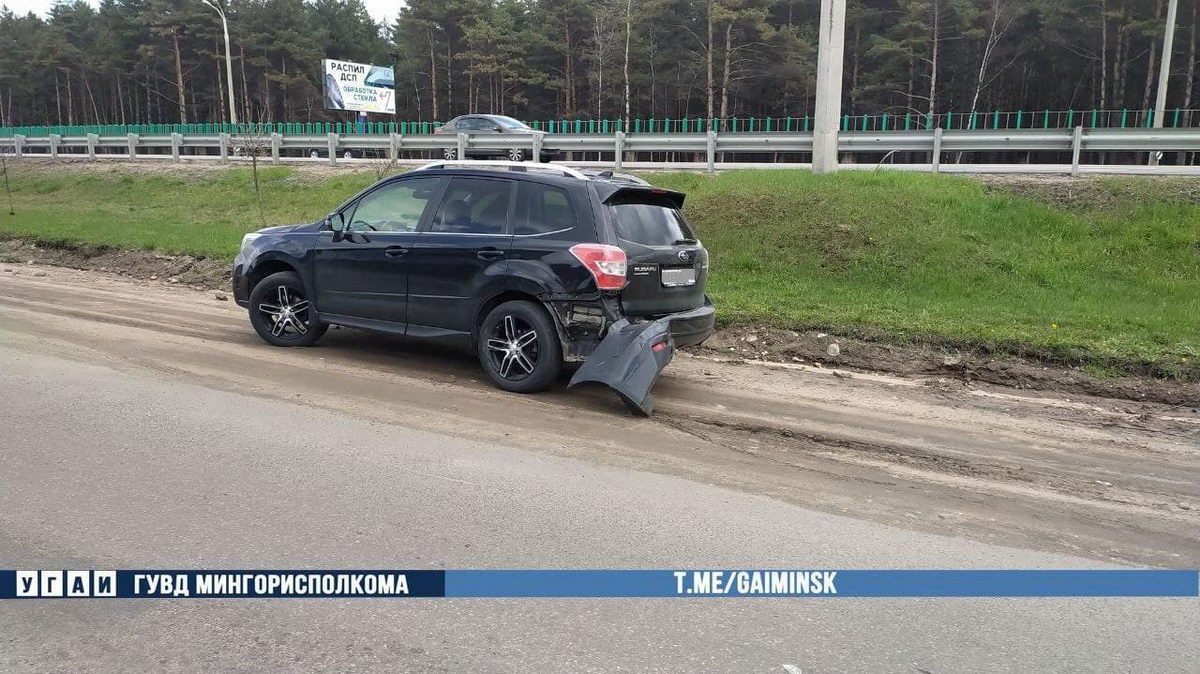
x=202 y=214
x=1110 y=278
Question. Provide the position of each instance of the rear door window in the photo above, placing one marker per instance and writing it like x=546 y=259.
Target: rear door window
x=649 y=224
x=474 y=206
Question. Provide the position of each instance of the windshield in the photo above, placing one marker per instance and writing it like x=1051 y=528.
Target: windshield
x=649 y=224
x=508 y=122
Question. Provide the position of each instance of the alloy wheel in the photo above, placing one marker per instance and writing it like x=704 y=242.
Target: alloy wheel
x=450 y=153
x=516 y=154
x=513 y=348
x=288 y=317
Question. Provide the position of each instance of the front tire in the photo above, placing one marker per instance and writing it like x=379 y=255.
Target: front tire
x=281 y=312
x=516 y=154
x=518 y=347
x=450 y=154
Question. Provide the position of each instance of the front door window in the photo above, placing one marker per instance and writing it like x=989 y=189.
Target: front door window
x=394 y=208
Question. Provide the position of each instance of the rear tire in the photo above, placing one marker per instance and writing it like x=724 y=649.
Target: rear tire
x=450 y=154
x=518 y=347
x=281 y=312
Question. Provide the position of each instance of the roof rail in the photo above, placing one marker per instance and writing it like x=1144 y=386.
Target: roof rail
x=486 y=164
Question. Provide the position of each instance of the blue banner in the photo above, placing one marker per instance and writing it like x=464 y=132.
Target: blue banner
x=824 y=583
x=580 y=583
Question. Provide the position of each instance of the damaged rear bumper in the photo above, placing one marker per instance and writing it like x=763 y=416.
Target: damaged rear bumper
x=631 y=355
x=689 y=328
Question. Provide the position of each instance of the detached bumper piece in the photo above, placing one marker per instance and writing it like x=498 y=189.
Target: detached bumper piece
x=628 y=361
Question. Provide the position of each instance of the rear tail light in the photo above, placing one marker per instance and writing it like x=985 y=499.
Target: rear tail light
x=659 y=346
x=607 y=264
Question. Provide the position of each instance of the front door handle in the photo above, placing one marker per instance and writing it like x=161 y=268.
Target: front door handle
x=395 y=251
x=489 y=254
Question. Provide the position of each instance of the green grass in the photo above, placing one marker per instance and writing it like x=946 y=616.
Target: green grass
x=944 y=259
x=203 y=214
x=1111 y=280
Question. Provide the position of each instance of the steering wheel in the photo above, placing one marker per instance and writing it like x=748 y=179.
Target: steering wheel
x=359 y=225
x=399 y=226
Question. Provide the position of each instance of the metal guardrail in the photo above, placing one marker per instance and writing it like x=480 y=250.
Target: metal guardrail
x=710 y=145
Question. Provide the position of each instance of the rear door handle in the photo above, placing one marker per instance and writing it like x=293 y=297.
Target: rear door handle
x=489 y=254
x=395 y=251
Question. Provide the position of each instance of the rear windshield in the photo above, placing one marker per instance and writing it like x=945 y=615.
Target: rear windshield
x=649 y=224
x=508 y=122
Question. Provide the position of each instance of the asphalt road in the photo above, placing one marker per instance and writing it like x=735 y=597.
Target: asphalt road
x=144 y=425
x=112 y=468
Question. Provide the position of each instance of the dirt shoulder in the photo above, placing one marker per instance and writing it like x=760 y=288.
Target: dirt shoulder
x=947 y=367
x=185 y=270
x=1096 y=192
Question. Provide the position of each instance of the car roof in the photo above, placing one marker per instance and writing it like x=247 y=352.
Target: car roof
x=605 y=183
x=494 y=172
x=485 y=114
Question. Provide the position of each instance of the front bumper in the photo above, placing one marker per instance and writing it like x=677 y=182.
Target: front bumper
x=241 y=284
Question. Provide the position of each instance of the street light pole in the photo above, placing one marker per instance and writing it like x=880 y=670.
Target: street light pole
x=832 y=25
x=1164 y=72
x=228 y=60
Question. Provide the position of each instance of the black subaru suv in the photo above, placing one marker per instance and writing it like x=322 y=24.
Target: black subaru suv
x=533 y=266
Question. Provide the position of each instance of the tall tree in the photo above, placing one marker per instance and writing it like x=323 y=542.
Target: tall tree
x=162 y=60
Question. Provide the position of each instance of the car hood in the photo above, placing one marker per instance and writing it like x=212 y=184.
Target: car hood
x=283 y=229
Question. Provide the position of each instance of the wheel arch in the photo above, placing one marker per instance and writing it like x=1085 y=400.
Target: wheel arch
x=264 y=267
x=514 y=295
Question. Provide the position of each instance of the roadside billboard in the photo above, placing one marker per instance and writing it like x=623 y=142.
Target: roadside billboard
x=359 y=87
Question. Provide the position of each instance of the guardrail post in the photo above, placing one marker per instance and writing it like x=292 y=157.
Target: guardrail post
x=223 y=142
x=618 y=149
x=92 y=139
x=19 y=145
x=176 y=141
x=537 y=148
x=1076 y=148
x=55 y=139
x=132 y=140
x=710 y=150
x=394 y=141
x=937 y=150
x=276 y=140
x=462 y=147
x=331 y=140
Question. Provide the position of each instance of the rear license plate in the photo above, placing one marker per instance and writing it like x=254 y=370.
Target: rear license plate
x=678 y=276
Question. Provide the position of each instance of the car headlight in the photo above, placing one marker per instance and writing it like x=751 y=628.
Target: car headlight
x=250 y=237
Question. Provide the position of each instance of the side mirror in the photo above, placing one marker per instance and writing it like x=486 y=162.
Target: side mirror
x=337 y=222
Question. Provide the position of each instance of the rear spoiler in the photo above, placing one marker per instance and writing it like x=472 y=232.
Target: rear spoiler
x=638 y=194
